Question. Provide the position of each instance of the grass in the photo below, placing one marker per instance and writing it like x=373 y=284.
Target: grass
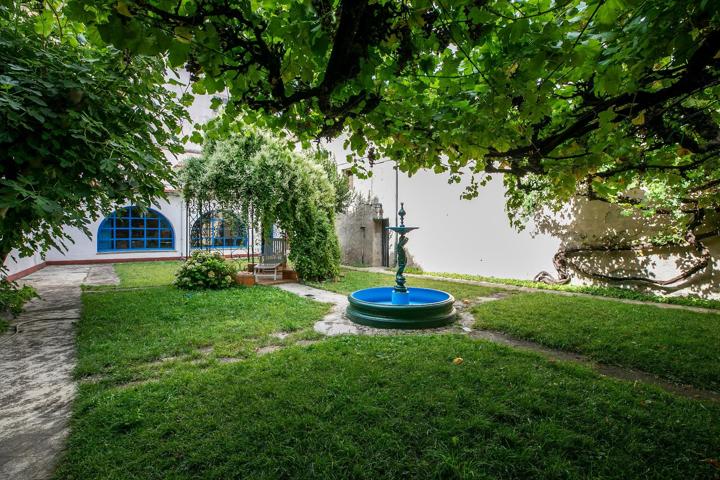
x=3 y=325
x=123 y=329
x=680 y=345
x=352 y=280
x=612 y=292
x=144 y=274
x=387 y=408
x=151 y=406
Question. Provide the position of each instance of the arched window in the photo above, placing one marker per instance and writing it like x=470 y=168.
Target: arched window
x=218 y=229
x=129 y=229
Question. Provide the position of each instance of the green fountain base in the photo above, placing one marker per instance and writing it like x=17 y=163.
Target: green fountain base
x=426 y=308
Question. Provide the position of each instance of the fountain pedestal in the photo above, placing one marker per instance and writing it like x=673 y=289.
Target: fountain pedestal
x=400 y=298
x=400 y=306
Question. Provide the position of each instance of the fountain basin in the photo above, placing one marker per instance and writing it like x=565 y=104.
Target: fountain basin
x=426 y=308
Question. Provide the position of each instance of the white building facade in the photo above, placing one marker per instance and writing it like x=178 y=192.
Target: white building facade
x=164 y=231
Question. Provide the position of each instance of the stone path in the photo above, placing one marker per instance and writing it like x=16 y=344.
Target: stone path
x=37 y=357
x=336 y=323
x=504 y=286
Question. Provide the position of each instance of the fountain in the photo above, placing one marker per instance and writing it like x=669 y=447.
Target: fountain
x=401 y=306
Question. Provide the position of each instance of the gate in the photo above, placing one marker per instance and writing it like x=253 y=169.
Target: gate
x=214 y=226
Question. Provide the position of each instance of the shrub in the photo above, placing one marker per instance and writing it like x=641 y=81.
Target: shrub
x=205 y=270
x=285 y=187
x=12 y=297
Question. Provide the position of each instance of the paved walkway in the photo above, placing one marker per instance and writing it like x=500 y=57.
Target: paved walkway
x=336 y=323
x=37 y=357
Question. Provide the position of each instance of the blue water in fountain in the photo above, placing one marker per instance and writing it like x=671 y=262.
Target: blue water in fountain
x=417 y=296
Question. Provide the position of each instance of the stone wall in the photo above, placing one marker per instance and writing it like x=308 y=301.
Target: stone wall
x=360 y=233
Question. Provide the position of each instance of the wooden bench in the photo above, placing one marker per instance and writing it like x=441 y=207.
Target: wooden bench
x=269 y=269
x=272 y=261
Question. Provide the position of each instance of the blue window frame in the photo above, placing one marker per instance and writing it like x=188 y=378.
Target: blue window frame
x=219 y=229
x=128 y=229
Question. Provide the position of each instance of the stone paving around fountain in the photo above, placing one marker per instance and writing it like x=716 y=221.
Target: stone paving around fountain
x=337 y=323
x=37 y=357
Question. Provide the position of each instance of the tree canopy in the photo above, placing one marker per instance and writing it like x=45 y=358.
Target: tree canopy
x=560 y=95
x=616 y=100
x=283 y=187
x=81 y=128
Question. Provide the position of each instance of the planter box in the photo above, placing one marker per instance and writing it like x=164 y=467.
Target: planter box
x=245 y=278
x=288 y=274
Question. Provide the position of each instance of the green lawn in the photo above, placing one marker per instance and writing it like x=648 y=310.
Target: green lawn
x=388 y=408
x=122 y=329
x=352 y=280
x=159 y=400
x=149 y=274
x=679 y=345
x=143 y=274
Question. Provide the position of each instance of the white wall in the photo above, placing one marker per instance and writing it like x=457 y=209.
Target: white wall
x=455 y=235
x=85 y=248
x=80 y=247
x=475 y=236
x=15 y=263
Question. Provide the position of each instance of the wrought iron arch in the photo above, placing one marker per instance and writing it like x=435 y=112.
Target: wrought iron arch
x=219 y=229
x=212 y=225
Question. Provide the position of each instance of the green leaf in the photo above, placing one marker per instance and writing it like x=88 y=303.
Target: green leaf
x=178 y=53
x=44 y=23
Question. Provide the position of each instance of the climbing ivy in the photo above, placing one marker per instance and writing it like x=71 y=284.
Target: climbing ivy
x=282 y=186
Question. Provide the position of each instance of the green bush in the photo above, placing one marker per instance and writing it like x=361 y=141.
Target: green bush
x=287 y=188
x=205 y=270
x=12 y=297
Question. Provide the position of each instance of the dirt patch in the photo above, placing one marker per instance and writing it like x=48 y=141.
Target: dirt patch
x=229 y=359
x=268 y=349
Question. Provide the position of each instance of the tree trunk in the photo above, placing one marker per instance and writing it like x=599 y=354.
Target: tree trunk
x=562 y=262
x=4 y=254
